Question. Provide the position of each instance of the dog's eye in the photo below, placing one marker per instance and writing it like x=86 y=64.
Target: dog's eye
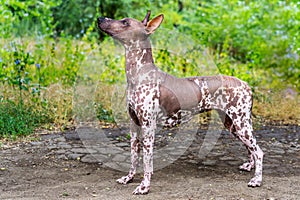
x=125 y=23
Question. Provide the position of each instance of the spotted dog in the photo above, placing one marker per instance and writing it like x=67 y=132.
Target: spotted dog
x=154 y=97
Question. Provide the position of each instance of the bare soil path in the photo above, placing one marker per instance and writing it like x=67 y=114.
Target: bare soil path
x=57 y=167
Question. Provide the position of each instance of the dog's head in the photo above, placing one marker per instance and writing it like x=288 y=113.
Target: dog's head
x=129 y=30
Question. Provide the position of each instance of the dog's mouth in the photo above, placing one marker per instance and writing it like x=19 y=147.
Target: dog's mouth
x=103 y=25
x=111 y=28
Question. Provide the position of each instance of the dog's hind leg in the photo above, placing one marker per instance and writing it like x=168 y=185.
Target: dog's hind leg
x=244 y=132
x=135 y=149
x=227 y=121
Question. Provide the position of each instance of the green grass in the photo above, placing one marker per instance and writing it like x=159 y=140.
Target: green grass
x=17 y=119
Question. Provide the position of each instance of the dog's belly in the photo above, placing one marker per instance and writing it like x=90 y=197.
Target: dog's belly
x=181 y=117
x=169 y=121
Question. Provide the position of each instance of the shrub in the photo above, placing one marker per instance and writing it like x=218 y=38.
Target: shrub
x=264 y=35
x=30 y=17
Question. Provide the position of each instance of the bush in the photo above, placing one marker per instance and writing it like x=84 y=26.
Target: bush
x=30 y=17
x=264 y=35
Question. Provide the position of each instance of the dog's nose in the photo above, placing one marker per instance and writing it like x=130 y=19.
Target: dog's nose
x=101 y=20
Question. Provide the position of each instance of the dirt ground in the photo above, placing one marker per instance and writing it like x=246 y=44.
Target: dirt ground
x=28 y=173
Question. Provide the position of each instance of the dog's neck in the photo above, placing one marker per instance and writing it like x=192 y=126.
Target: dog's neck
x=139 y=59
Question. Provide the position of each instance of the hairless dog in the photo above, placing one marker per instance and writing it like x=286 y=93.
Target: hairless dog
x=155 y=97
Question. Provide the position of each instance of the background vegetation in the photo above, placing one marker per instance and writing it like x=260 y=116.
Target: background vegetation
x=50 y=46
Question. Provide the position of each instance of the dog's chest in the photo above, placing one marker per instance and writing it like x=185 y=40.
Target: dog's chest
x=144 y=100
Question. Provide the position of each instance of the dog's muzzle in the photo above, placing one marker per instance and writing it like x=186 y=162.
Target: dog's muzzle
x=101 y=20
x=103 y=24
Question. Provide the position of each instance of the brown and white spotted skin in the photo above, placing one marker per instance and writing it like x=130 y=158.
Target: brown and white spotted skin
x=155 y=97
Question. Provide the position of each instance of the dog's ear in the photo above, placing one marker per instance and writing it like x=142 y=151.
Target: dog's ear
x=146 y=19
x=154 y=24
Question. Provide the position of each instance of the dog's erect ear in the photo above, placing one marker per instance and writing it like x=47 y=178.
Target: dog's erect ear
x=145 y=21
x=154 y=24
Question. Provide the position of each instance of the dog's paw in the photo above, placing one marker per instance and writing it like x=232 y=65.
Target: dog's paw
x=246 y=166
x=124 y=180
x=141 y=189
x=255 y=182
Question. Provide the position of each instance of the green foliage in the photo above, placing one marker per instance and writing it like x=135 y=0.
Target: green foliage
x=46 y=63
x=28 y=69
x=112 y=61
x=30 y=17
x=78 y=17
x=18 y=119
x=262 y=34
x=104 y=114
x=75 y=17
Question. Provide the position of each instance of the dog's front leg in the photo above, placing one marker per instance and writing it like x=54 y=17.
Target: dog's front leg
x=135 y=149
x=148 y=143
